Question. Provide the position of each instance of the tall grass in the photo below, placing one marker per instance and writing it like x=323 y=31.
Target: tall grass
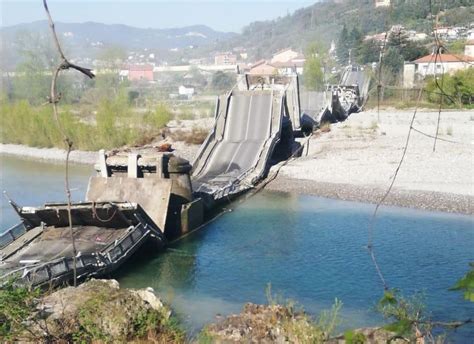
x=115 y=125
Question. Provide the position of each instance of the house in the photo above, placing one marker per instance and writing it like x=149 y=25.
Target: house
x=285 y=55
x=288 y=62
x=427 y=66
x=382 y=3
x=186 y=90
x=263 y=67
x=225 y=59
x=290 y=67
x=140 y=72
x=469 y=48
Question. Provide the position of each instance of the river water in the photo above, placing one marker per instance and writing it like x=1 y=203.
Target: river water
x=309 y=249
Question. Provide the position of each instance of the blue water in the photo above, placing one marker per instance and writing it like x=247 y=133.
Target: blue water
x=32 y=183
x=312 y=250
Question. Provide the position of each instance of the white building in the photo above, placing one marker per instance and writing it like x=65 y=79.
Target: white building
x=288 y=62
x=382 y=3
x=427 y=66
x=469 y=48
x=187 y=91
x=285 y=55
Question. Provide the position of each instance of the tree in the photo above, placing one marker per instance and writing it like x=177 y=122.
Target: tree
x=317 y=62
x=393 y=63
x=368 y=52
x=459 y=88
x=113 y=57
x=343 y=46
x=313 y=73
x=222 y=81
x=32 y=77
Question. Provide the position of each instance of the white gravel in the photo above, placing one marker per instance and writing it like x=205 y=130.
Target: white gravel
x=365 y=150
x=52 y=154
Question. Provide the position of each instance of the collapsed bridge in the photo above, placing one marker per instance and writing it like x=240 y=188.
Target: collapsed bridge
x=138 y=199
x=250 y=124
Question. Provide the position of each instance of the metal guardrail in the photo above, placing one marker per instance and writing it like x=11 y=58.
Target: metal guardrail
x=12 y=234
x=62 y=268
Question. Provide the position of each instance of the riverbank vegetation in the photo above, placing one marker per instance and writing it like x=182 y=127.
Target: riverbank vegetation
x=97 y=311
x=113 y=124
x=101 y=311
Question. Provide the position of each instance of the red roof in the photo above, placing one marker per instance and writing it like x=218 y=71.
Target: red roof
x=445 y=58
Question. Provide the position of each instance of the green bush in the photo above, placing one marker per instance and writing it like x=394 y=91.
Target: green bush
x=16 y=306
x=158 y=118
x=115 y=125
x=458 y=88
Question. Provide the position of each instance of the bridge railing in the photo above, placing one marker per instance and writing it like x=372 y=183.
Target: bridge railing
x=12 y=234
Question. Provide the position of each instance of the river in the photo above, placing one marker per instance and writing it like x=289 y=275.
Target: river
x=309 y=249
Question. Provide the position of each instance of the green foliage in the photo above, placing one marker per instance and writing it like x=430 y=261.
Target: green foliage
x=457 y=47
x=114 y=125
x=158 y=118
x=466 y=284
x=223 y=81
x=405 y=314
x=352 y=337
x=368 y=52
x=300 y=327
x=113 y=56
x=204 y=337
x=317 y=61
x=400 y=49
x=393 y=62
x=348 y=45
x=343 y=46
x=148 y=323
x=313 y=73
x=329 y=319
x=458 y=87
x=16 y=306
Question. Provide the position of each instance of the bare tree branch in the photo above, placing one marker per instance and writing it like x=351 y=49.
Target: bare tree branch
x=54 y=99
x=65 y=64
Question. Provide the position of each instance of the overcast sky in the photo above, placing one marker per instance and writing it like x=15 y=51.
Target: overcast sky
x=218 y=14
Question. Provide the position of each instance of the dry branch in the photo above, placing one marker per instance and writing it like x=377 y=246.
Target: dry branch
x=54 y=99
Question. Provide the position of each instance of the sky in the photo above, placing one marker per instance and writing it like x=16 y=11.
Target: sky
x=220 y=15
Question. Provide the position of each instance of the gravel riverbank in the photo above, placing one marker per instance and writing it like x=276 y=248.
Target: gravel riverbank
x=357 y=159
x=186 y=151
x=51 y=154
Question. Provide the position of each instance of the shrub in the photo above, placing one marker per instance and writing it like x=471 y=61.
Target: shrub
x=16 y=306
x=458 y=88
x=158 y=118
x=115 y=125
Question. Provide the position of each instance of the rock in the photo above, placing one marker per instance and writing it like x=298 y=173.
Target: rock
x=373 y=335
x=148 y=295
x=101 y=310
x=263 y=324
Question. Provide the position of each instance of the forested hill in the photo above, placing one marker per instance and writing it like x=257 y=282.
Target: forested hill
x=90 y=38
x=323 y=22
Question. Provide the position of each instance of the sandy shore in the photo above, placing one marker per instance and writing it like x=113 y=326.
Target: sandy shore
x=51 y=154
x=357 y=159
x=184 y=150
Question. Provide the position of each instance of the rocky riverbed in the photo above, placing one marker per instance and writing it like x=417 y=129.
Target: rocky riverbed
x=357 y=159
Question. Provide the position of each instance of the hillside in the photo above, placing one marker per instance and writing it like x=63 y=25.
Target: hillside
x=88 y=39
x=323 y=21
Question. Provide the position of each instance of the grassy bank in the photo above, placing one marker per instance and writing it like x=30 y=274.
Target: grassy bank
x=113 y=124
